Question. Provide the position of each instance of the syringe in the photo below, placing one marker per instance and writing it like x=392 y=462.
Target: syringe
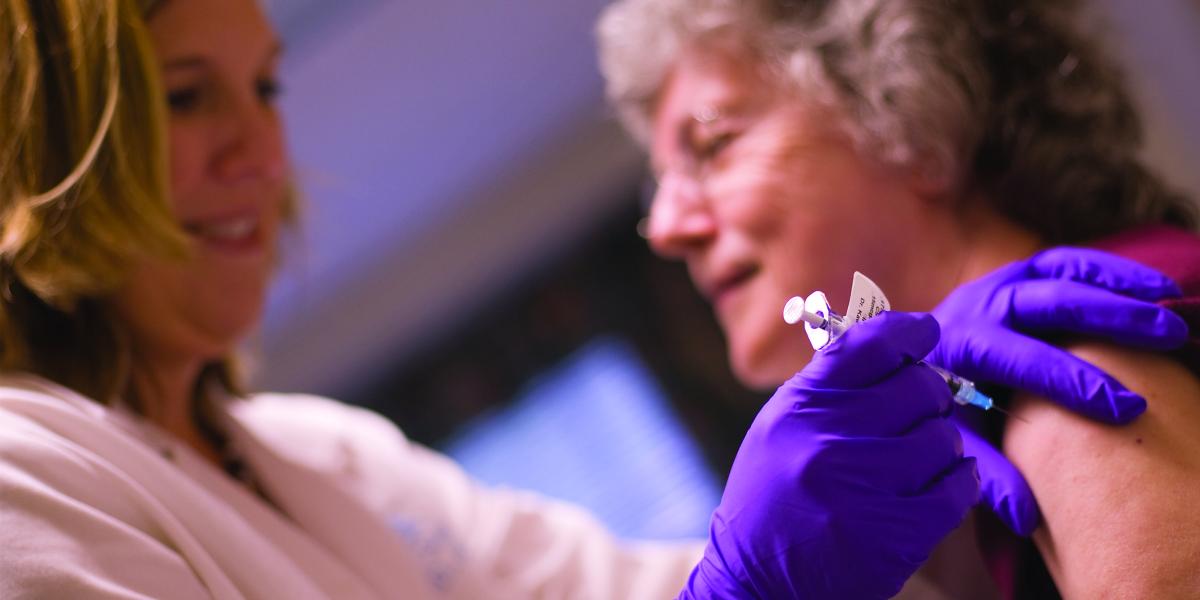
x=835 y=325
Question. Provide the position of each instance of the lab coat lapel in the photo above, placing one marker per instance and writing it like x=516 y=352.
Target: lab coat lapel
x=194 y=522
x=334 y=518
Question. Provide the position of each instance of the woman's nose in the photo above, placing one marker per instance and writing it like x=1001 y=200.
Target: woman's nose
x=254 y=149
x=681 y=218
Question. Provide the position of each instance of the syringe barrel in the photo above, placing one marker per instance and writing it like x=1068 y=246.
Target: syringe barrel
x=836 y=324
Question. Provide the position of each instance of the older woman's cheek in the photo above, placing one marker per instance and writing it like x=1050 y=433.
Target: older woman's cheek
x=763 y=350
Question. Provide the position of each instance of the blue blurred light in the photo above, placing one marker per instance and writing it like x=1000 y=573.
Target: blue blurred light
x=596 y=430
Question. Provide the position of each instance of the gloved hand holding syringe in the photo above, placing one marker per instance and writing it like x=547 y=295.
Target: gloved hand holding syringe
x=824 y=325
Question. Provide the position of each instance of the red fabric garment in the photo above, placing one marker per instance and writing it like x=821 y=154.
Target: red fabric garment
x=1015 y=563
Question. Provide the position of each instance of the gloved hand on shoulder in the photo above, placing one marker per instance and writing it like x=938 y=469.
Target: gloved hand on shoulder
x=989 y=335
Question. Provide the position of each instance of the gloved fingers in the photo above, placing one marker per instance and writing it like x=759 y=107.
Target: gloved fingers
x=903 y=465
x=1014 y=360
x=1081 y=308
x=1002 y=486
x=888 y=408
x=891 y=407
x=944 y=503
x=1104 y=270
x=871 y=351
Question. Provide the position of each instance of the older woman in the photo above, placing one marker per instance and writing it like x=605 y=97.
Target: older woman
x=927 y=143
x=143 y=182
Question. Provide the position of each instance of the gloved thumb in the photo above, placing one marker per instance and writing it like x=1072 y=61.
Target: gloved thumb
x=874 y=349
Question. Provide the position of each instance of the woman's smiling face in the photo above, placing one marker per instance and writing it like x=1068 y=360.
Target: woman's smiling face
x=228 y=179
x=764 y=198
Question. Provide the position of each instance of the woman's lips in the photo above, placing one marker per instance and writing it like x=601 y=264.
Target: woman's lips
x=725 y=286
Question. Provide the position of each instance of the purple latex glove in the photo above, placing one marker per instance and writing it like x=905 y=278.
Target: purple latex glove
x=848 y=477
x=1062 y=290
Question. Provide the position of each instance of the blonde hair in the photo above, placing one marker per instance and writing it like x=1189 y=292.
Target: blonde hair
x=83 y=186
x=1006 y=97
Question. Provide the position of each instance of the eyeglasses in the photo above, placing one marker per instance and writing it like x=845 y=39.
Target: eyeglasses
x=700 y=140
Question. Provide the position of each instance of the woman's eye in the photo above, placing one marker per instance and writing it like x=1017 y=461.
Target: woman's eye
x=184 y=99
x=710 y=147
x=268 y=90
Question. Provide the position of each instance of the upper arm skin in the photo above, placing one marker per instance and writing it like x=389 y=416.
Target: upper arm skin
x=1120 y=516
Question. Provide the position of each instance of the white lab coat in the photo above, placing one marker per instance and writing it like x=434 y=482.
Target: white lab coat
x=95 y=503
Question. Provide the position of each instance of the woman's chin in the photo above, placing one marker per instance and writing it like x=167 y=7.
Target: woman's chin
x=764 y=362
x=761 y=375
x=229 y=333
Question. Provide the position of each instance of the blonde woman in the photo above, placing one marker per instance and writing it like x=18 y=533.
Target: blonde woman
x=143 y=184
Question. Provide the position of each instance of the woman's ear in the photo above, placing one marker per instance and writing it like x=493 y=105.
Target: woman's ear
x=933 y=179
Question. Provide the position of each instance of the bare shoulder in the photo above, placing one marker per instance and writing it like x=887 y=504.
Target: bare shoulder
x=1118 y=503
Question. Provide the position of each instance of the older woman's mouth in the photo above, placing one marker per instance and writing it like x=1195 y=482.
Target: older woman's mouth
x=718 y=289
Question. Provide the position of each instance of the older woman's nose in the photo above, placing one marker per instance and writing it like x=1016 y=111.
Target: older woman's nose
x=681 y=218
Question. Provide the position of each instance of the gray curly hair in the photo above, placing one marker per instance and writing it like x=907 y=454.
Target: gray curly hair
x=1007 y=98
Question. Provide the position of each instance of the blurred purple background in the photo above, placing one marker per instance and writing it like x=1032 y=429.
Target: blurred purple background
x=469 y=215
